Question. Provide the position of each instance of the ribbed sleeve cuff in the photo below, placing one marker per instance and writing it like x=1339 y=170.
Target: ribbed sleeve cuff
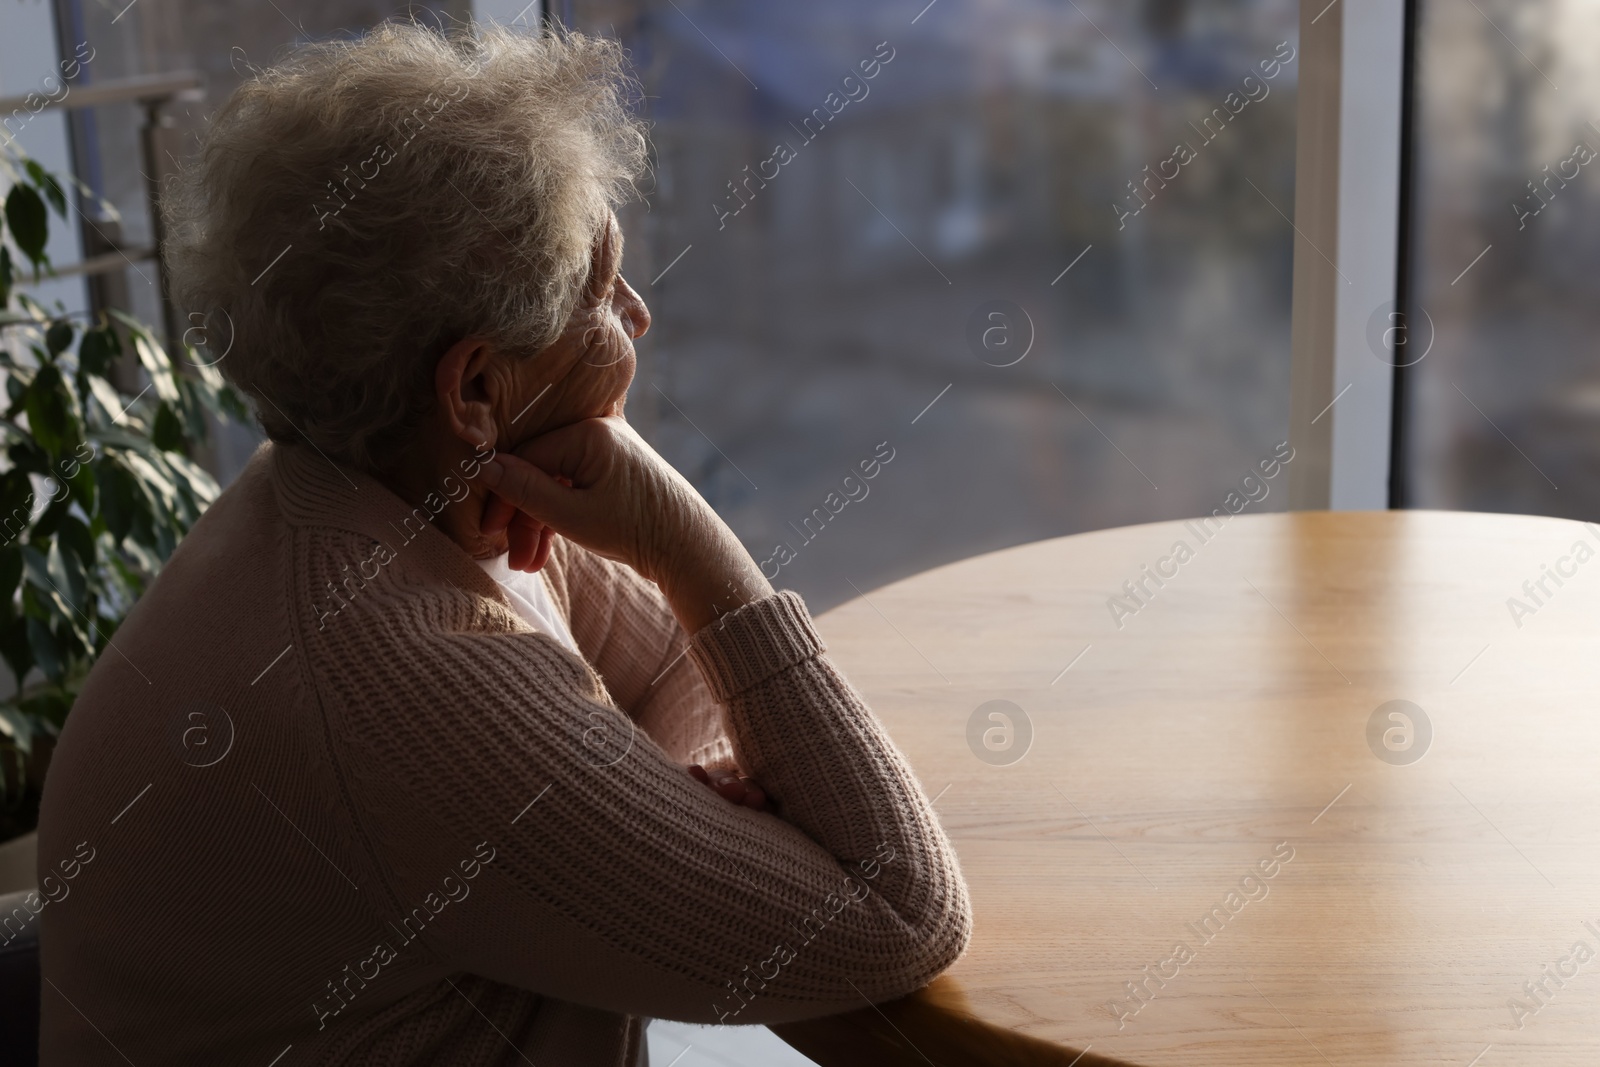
x=744 y=648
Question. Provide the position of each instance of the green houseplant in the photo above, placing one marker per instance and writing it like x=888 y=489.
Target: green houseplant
x=97 y=484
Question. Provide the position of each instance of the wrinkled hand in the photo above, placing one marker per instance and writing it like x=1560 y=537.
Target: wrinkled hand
x=733 y=787
x=527 y=538
x=598 y=484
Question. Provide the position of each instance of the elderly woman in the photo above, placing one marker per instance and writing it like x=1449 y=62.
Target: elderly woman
x=428 y=746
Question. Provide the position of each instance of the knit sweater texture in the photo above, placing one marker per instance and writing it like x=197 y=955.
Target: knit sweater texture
x=344 y=806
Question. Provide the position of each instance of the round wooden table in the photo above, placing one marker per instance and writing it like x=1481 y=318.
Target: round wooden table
x=1221 y=845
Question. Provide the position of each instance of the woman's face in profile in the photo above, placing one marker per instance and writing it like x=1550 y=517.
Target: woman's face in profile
x=585 y=373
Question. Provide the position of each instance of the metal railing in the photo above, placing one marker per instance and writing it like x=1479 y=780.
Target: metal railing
x=152 y=92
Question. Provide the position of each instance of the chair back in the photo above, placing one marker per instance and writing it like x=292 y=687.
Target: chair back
x=19 y=982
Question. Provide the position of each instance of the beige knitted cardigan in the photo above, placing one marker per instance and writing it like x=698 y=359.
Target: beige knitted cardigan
x=343 y=806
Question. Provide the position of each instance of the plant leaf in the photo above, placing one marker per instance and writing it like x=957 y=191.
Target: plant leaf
x=98 y=351
x=75 y=535
x=16 y=504
x=17 y=390
x=42 y=643
x=50 y=603
x=157 y=365
x=18 y=727
x=201 y=484
x=36 y=568
x=10 y=576
x=110 y=400
x=45 y=525
x=82 y=485
x=153 y=480
x=208 y=373
x=118 y=505
x=167 y=434
x=52 y=411
x=47 y=184
x=66 y=575
x=26 y=216
x=59 y=336
x=14 y=647
x=142 y=554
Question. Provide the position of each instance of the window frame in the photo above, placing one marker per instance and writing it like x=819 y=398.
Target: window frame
x=1351 y=260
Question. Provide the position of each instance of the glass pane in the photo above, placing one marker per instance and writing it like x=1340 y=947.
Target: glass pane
x=1505 y=406
x=1037 y=253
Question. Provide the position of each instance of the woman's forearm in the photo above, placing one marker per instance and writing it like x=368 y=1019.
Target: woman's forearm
x=804 y=732
x=717 y=578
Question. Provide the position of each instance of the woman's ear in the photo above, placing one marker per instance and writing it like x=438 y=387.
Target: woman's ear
x=463 y=386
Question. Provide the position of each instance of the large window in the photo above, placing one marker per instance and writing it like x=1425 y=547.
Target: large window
x=1504 y=409
x=1038 y=251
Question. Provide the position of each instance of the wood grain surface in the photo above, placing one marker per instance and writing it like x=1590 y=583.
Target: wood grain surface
x=1416 y=909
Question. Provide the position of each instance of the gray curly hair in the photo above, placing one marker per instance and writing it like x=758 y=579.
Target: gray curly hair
x=364 y=204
